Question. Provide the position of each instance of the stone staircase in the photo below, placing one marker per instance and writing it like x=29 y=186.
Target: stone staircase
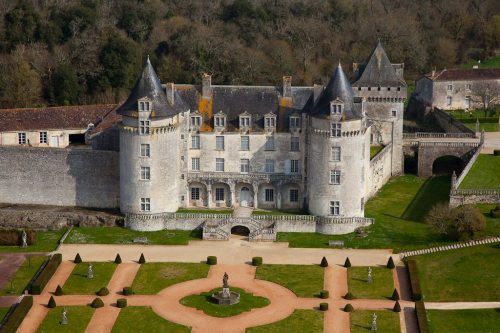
x=259 y=230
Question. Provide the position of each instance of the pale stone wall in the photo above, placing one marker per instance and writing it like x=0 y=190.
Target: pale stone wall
x=470 y=197
x=55 y=138
x=380 y=170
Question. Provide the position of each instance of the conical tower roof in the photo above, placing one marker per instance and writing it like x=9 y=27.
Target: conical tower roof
x=377 y=71
x=338 y=88
x=148 y=85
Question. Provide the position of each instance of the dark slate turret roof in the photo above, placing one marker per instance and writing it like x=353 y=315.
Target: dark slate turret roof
x=148 y=85
x=377 y=71
x=340 y=88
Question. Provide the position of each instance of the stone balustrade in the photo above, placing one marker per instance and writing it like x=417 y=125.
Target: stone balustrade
x=242 y=177
x=448 y=247
x=428 y=135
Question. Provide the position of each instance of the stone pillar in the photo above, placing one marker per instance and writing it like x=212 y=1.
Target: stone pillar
x=278 y=197
x=232 y=189
x=209 y=195
x=255 y=195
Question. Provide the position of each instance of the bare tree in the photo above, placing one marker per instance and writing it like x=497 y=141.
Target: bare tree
x=486 y=93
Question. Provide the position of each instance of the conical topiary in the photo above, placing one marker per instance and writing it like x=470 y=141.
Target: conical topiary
x=349 y=296
x=397 y=307
x=52 y=303
x=142 y=260
x=78 y=259
x=59 y=291
x=347 y=263
x=390 y=263
x=348 y=308
x=97 y=303
x=395 y=295
x=118 y=259
x=324 y=262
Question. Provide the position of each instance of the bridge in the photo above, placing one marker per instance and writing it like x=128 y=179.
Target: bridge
x=428 y=147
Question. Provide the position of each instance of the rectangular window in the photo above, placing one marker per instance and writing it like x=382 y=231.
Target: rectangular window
x=144 y=127
x=270 y=166
x=43 y=137
x=21 y=138
x=245 y=143
x=145 y=150
x=294 y=122
x=448 y=100
x=468 y=87
x=294 y=166
x=335 y=208
x=220 y=121
x=245 y=165
x=195 y=193
x=336 y=154
x=145 y=173
x=394 y=113
x=196 y=121
x=244 y=122
x=294 y=195
x=219 y=164
x=269 y=143
x=450 y=87
x=294 y=143
x=219 y=194
x=270 y=122
x=145 y=204
x=195 y=142
x=335 y=177
x=336 y=130
x=269 y=195
x=467 y=102
x=219 y=142
x=195 y=164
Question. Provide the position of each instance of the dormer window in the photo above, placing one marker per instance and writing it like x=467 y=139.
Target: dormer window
x=336 y=108
x=144 y=106
x=220 y=120
x=270 y=121
x=245 y=120
x=294 y=122
x=196 y=120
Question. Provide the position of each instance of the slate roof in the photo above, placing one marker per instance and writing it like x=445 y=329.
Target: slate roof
x=377 y=71
x=465 y=74
x=61 y=117
x=148 y=85
x=339 y=88
x=256 y=100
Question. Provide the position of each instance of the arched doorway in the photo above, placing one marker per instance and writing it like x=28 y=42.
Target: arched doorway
x=245 y=197
x=445 y=165
x=240 y=230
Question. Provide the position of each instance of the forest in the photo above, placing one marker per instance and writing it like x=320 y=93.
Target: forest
x=64 y=52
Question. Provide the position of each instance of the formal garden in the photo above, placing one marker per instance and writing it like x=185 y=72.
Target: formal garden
x=488 y=119
x=21 y=279
x=387 y=321
x=470 y=321
x=78 y=319
x=370 y=282
x=307 y=321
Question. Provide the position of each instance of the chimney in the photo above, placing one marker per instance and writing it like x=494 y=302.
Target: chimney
x=206 y=86
x=287 y=87
x=318 y=89
x=170 y=93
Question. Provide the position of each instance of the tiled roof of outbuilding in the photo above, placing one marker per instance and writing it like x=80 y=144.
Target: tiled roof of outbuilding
x=458 y=74
x=60 y=117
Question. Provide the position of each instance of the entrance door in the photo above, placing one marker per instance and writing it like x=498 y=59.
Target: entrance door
x=245 y=197
x=54 y=141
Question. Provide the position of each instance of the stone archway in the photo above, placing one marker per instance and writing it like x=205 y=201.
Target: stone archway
x=446 y=165
x=240 y=230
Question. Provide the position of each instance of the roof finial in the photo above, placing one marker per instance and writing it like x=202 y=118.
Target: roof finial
x=148 y=59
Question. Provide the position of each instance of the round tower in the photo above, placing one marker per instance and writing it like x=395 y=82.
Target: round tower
x=336 y=151
x=149 y=153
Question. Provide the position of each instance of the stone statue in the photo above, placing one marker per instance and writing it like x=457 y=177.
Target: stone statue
x=369 y=279
x=64 y=317
x=90 y=272
x=374 y=322
x=224 y=281
x=24 y=238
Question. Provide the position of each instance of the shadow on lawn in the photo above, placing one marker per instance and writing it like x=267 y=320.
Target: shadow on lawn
x=433 y=191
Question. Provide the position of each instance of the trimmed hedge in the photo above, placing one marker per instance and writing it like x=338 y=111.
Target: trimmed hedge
x=97 y=303
x=78 y=259
x=397 y=307
x=103 y=292
x=52 y=303
x=118 y=259
x=414 y=280
x=59 y=291
x=472 y=120
x=13 y=237
x=495 y=212
x=211 y=260
x=496 y=152
x=121 y=303
x=395 y=295
x=324 y=262
x=324 y=294
x=142 y=260
x=348 y=308
x=18 y=315
x=349 y=296
x=390 y=263
x=323 y=306
x=347 y=263
x=423 y=325
x=257 y=261
x=127 y=291
x=47 y=273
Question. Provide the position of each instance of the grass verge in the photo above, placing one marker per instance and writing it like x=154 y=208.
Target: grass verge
x=23 y=276
x=303 y=280
x=382 y=284
x=45 y=241
x=470 y=321
x=79 y=284
x=300 y=321
x=484 y=173
x=78 y=319
x=143 y=319
x=387 y=321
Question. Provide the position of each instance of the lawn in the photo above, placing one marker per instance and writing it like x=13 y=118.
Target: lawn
x=493 y=62
x=23 y=275
x=79 y=284
x=488 y=127
x=484 y=173
x=205 y=211
x=303 y=280
x=45 y=241
x=374 y=150
x=142 y=319
x=382 y=284
x=154 y=277
x=470 y=321
x=387 y=321
x=3 y=312
x=205 y=303
x=469 y=274
x=117 y=235
x=78 y=319
x=492 y=224
x=300 y=321
x=398 y=208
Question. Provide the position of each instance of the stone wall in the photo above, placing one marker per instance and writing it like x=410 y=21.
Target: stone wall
x=60 y=177
x=448 y=123
x=380 y=170
x=473 y=196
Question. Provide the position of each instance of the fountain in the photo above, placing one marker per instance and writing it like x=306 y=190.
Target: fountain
x=226 y=296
